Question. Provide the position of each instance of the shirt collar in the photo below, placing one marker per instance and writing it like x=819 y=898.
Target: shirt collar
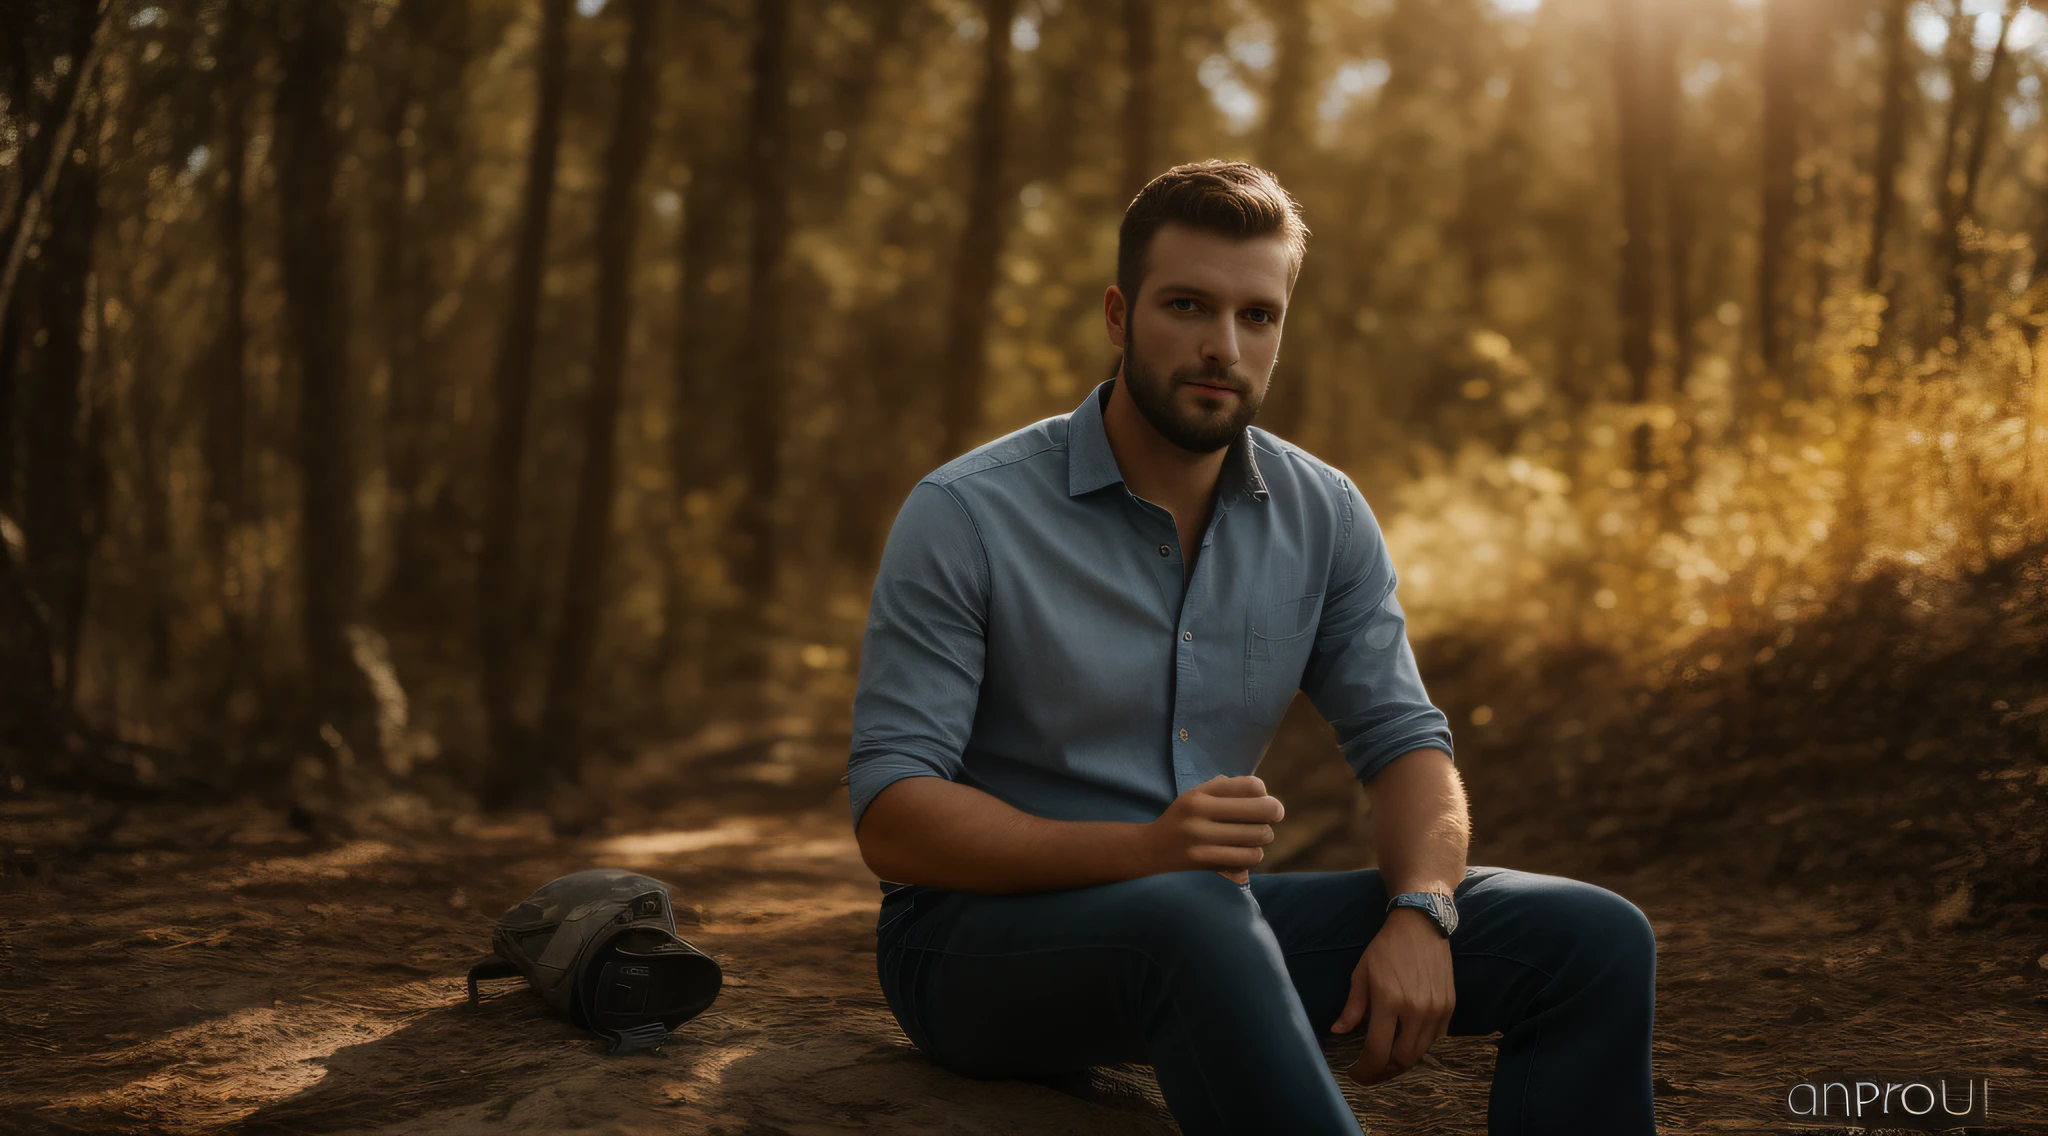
x=1091 y=464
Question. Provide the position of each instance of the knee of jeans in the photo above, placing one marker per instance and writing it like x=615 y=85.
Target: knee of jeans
x=1187 y=912
x=1618 y=927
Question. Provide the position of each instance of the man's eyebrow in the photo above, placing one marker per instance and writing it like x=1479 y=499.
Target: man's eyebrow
x=1203 y=294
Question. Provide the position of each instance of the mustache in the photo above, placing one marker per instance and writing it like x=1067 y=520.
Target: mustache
x=1212 y=376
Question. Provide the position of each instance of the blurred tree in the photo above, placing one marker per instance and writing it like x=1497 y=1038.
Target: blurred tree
x=587 y=551
x=1787 y=60
x=317 y=307
x=1891 y=148
x=964 y=364
x=1140 y=32
x=225 y=443
x=427 y=134
x=1669 y=134
x=499 y=624
x=1637 y=81
x=762 y=401
x=1990 y=98
x=1948 y=181
x=59 y=219
x=1285 y=149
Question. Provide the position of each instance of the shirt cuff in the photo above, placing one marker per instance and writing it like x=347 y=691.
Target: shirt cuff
x=866 y=780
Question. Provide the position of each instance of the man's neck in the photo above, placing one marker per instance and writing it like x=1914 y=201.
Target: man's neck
x=1154 y=468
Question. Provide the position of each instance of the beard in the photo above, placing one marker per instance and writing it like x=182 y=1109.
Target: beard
x=1211 y=423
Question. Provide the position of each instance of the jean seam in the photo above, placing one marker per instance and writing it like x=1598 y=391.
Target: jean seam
x=1207 y=1087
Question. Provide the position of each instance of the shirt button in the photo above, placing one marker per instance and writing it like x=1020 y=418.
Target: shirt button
x=1183 y=735
x=1164 y=550
x=1187 y=636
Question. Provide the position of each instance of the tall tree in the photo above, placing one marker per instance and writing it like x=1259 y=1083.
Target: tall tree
x=702 y=243
x=1784 y=66
x=316 y=303
x=1989 y=99
x=1285 y=150
x=1141 y=21
x=981 y=240
x=1635 y=90
x=761 y=413
x=498 y=623
x=429 y=135
x=1891 y=138
x=59 y=219
x=589 y=544
x=226 y=443
x=1947 y=179
x=1667 y=110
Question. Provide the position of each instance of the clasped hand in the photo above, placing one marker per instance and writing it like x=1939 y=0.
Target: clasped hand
x=1402 y=986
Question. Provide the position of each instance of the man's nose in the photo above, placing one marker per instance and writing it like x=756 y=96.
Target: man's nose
x=1219 y=347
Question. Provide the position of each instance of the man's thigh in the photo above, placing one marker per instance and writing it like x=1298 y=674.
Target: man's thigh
x=1049 y=982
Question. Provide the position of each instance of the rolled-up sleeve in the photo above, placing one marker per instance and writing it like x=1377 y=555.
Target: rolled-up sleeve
x=922 y=655
x=1361 y=674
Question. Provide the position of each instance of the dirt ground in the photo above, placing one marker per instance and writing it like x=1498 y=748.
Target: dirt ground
x=237 y=976
x=1838 y=837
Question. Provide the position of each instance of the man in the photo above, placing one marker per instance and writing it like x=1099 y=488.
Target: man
x=1082 y=637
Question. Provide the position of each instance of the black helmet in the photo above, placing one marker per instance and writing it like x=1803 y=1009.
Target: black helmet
x=601 y=946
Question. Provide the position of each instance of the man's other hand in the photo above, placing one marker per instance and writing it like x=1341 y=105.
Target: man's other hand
x=1224 y=823
x=1403 y=982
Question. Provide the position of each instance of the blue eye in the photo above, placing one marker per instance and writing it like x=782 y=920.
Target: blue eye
x=1265 y=313
x=1181 y=300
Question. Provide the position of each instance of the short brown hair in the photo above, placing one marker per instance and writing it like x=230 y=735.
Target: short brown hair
x=1236 y=199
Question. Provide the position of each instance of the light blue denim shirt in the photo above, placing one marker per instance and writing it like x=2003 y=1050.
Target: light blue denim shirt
x=1030 y=633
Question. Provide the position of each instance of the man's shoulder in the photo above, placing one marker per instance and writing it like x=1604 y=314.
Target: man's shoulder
x=1006 y=457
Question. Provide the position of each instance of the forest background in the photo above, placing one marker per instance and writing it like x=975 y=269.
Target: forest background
x=409 y=404
x=447 y=443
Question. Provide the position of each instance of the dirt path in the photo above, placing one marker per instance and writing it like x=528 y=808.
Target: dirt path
x=236 y=976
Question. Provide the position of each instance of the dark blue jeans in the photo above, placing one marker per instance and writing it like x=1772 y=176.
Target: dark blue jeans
x=1226 y=989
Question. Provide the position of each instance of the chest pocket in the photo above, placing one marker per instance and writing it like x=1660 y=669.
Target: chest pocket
x=1277 y=646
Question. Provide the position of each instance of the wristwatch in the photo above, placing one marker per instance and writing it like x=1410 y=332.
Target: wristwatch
x=1440 y=907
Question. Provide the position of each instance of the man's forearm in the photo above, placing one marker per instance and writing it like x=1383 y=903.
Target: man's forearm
x=931 y=831
x=1420 y=823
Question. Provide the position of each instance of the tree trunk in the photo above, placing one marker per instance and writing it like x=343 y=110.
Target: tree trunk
x=1680 y=224
x=1141 y=23
x=226 y=438
x=761 y=413
x=318 y=320
x=589 y=546
x=1637 y=303
x=52 y=309
x=1988 y=101
x=1947 y=186
x=1891 y=152
x=429 y=565
x=1285 y=151
x=981 y=241
x=706 y=226
x=498 y=624
x=1784 y=56
x=72 y=32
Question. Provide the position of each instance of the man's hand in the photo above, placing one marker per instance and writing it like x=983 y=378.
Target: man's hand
x=1404 y=982
x=1223 y=823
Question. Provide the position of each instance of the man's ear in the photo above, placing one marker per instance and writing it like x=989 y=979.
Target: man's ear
x=1116 y=316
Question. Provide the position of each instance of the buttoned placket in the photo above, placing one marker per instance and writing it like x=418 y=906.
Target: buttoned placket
x=1192 y=589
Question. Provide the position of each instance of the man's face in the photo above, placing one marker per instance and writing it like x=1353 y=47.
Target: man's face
x=1202 y=336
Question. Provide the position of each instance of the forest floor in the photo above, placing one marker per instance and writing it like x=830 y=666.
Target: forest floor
x=1843 y=878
